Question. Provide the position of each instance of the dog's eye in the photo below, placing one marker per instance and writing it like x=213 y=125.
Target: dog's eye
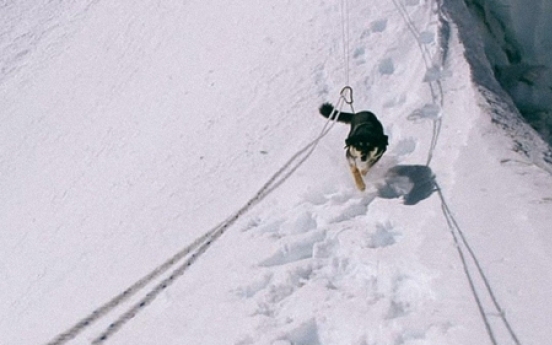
x=363 y=158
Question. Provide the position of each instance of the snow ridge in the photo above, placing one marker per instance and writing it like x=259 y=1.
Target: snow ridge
x=433 y=112
x=307 y=251
x=434 y=66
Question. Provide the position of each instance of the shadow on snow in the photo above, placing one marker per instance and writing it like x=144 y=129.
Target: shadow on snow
x=413 y=183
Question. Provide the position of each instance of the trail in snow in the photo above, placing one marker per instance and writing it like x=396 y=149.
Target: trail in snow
x=326 y=257
x=398 y=184
x=306 y=243
x=434 y=68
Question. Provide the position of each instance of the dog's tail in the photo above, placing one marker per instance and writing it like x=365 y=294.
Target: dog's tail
x=327 y=110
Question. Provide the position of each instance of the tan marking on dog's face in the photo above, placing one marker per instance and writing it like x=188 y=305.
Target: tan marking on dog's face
x=375 y=155
x=354 y=152
x=356 y=155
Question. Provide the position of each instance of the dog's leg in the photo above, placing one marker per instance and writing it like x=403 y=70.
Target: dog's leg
x=358 y=178
x=354 y=170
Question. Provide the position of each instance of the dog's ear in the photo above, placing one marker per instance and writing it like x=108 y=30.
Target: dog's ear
x=385 y=140
x=352 y=141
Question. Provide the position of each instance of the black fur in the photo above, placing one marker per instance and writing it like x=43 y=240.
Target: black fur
x=365 y=135
x=327 y=109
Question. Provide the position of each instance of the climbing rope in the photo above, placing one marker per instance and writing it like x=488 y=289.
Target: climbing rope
x=462 y=245
x=461 y=242
x=127 y=293
x=345 y=38
x=198 y=247
x=435 y=86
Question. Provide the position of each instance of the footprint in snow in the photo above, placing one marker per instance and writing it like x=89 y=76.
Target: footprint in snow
x=404 y=147
x=378 y=25
x=304 y=334
x=384 y=236
x=397 y=100
x=428 y=111
x=358 y=55
x=268 y=293
x=427 y=37
x=298 y=249
x=435 y=73
x=344 y=206
x=408 y=294
x=352 y=211
x=259 y=284
x=386 y=67
x=300 y=223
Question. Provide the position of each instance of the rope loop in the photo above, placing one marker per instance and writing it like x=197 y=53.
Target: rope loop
x=346 y=94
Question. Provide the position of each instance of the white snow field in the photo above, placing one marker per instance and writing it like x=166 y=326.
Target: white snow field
x=129 y=129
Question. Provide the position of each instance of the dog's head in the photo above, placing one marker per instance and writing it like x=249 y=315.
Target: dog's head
x=366 y=148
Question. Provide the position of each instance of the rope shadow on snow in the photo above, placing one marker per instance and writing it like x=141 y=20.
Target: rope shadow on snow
x=413 y=183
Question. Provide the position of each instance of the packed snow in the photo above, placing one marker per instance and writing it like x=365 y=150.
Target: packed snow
x=165 y=179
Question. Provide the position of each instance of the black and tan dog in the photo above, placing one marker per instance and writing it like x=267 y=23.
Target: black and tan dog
x=365 y=143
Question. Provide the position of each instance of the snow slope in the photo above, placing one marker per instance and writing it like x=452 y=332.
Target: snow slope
x=130 y=130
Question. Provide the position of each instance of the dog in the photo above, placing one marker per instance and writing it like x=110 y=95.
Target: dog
x=365 y=144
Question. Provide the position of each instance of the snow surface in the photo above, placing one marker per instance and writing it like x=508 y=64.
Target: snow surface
x=131 y=129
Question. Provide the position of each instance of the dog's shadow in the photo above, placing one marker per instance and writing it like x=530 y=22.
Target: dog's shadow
x=413 y=183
